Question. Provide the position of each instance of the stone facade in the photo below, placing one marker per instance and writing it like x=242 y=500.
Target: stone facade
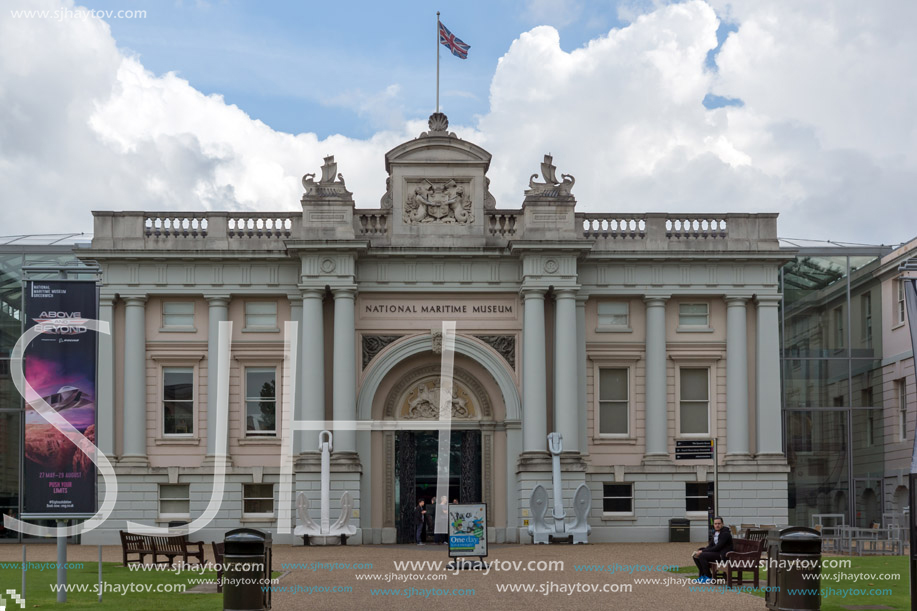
x=556 y=311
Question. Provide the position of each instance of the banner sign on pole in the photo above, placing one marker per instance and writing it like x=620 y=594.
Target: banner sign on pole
x=59 y=480
x=467 y=530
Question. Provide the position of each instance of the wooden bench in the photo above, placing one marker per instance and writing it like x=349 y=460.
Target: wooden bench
x=744 y=557
x=140 y=545
x=170 y=547
x=218 y=560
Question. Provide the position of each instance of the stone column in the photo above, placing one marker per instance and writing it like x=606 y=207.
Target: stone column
x=312 y=368
x=134 y=381
x=767 y=383
x=736 y=380
x=344 y=400
x=657 y=425
x=566 y=397
x=581 y=370
x=105 y=393
x=296 y=411
x=534 y=370
x=218 y=312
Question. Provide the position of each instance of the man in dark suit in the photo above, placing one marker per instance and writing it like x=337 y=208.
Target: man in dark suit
x=420 y=515
x=720 y=544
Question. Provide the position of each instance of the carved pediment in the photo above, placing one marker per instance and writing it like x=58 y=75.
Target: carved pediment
x=422 y=402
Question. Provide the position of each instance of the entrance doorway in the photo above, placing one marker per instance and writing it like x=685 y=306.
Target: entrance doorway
x=416 y=455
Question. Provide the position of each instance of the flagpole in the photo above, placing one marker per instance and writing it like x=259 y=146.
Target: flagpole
x=437 y=61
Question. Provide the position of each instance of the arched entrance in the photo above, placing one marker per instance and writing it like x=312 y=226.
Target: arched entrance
x=413 y=475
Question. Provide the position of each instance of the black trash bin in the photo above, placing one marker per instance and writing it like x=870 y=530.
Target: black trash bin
x=793 y=563
x=247 y=570
x=679 y=530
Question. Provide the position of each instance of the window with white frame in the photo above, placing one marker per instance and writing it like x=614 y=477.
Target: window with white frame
x=697 y=496
x=618 y=499
x=178 y=315
x=899 y=303
x=261 y=315
x=613 y=315
x=261 y=401
x=694 y=401
x=174 y=500
x=866 y=315
x=257 y=499
x=614 y=401
x=901 y=397
x=178 y=401
x=694 y=315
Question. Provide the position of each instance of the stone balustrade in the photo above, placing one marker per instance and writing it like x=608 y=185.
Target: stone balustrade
x=269 y=230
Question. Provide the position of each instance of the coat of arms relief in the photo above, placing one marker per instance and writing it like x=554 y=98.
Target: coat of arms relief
x=438 y=202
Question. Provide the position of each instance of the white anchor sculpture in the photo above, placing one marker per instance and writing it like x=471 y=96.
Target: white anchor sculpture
x=325 y=533
x=538 y=504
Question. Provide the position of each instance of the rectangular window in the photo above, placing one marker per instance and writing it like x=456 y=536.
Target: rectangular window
x=693 y=315
x=696 y=496
x=174 y=500
x=618 y=499
x=839 y=327
x=871 y=427
x=613 y=402
x=866 y=314
x=178 y=401
x=613 y=315
x=258 y=499
x=178 y=315
x=899 y=303
x=261 y=315
x=694 y=401
x=261 y=401
x=901 y=396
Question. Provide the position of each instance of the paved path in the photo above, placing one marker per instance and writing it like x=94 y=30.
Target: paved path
x=642 y=596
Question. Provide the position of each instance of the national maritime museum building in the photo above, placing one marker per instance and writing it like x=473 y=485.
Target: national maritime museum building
x=633 y=335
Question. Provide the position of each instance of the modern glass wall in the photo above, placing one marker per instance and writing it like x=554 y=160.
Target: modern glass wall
x=12 y=260
x=831 y=350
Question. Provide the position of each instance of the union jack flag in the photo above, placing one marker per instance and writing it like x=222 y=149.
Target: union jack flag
x=448 y=39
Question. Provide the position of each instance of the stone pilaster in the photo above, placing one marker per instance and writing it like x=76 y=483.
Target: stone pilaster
x=736 y=380
x=218 y=312
x=534 y=372
x=768 y=420
x=657 y=435
x=134 y=381
x=105 y=393
x=566 y=397
x=344 y=375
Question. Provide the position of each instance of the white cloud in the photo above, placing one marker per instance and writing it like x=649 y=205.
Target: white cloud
x=826 y=135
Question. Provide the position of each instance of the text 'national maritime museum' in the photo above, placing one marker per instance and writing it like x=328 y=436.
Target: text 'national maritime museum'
x=628 y=334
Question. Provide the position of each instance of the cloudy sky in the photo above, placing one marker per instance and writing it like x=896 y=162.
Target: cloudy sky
x=802 y=107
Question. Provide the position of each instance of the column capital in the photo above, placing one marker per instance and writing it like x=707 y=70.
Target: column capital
x=565 y=292
x=344 y=292
x=735 y=301
x=581 y=300
x=312 y=293
x=134 y=300
x=656 y=300
x=771 y=301
x=217 y=301
x=294 y=299
x=532 y=292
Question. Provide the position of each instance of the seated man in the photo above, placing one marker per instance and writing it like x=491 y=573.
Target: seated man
x=720 y=543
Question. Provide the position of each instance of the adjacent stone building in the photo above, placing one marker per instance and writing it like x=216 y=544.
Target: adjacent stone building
x=623 y=332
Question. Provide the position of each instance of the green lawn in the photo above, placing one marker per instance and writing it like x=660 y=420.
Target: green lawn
x=839 y=584
x=39 y=593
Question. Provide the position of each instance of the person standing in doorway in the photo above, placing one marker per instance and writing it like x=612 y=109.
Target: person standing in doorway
x=443 y=510
x=420 y=514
